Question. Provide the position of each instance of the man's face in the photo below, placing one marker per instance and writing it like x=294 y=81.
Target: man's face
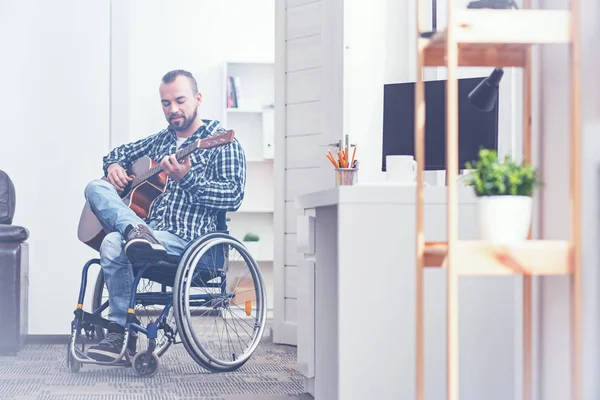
x=179 y=103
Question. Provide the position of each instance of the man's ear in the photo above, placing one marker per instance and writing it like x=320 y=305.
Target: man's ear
x=199 y=98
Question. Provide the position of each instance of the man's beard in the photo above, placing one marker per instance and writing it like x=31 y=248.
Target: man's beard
x=185 y=124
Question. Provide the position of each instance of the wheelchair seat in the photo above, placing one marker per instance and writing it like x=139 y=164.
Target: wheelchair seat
x=164 y=271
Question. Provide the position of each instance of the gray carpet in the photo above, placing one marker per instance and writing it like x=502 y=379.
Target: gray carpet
x=40 y=372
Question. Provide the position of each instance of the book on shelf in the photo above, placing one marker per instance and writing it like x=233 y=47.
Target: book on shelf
x=233 y=91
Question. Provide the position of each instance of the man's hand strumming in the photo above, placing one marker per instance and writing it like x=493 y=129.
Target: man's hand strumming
x=117 y=176
x=174 y=169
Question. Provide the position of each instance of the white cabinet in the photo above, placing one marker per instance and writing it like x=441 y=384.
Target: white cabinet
x=356 y=299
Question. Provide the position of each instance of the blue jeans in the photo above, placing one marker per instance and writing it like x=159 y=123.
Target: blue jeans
x=115 y=216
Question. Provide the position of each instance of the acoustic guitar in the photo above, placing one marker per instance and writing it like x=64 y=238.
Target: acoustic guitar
x=148 y=183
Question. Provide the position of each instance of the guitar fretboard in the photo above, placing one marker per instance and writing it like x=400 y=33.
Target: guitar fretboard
x=206 y=143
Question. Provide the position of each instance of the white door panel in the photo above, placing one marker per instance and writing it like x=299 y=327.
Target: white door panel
x=308 y=119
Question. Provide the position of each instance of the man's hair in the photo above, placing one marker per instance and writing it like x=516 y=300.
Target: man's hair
x=172 y=75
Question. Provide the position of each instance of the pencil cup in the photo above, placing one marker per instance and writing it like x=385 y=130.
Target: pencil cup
x=346 y=176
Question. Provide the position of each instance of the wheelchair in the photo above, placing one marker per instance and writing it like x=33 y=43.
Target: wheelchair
x=198 y=298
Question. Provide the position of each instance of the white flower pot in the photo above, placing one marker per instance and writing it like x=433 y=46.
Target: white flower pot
x=504 y=219
x=252 y=248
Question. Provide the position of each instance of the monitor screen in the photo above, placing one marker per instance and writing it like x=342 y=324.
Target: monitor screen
x=476 y=129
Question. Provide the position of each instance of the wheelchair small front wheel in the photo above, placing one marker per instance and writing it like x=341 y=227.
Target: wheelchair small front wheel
x=145 y=364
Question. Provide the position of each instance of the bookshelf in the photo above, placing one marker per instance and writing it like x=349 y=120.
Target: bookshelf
x=496 y=38
x=248 y=109
x=249 y=89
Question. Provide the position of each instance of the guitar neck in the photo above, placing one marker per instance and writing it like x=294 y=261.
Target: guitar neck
x=219 y=139
x=157 y=169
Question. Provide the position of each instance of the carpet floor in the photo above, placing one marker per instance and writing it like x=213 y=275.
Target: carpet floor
x=40 y=372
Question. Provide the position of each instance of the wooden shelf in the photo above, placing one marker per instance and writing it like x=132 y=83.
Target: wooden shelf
x=435 y=254
x=498 y=38
x=533 y=257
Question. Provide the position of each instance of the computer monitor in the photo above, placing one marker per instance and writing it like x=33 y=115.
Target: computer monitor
x=476 y=129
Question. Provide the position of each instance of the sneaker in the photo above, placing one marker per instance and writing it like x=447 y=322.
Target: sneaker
x=141 y=245
x=109 y=349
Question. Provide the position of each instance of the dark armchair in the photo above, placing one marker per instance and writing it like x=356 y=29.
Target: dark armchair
x=14 y=271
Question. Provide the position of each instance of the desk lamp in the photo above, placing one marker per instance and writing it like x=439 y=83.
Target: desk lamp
x=485 y=94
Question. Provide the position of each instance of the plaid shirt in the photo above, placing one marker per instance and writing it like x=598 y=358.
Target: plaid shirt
x=215 y=182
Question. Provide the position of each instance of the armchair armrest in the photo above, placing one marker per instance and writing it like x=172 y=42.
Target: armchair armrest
x=13 y=233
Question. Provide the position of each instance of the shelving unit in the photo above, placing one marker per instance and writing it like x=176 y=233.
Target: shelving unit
x=496 y=38
x=252 y=119
x=248 y=107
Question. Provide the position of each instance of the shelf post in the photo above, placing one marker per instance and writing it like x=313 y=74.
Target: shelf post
x=420 y=235
x=527 y=279
x=575 y=206
x=452 y=174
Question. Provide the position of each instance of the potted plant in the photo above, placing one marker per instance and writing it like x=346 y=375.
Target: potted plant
x=251 y=243
x=504 y=191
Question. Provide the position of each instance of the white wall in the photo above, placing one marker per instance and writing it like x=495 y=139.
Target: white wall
x=197 y=35
x=55 y=129
x=554 y=158
x=553 y=125
x=590 y=165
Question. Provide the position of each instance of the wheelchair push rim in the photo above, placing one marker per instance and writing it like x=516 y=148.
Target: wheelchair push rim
x=204 y=352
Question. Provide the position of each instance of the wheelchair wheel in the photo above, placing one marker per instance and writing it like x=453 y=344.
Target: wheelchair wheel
x=146 y=313
x=219 y=301
x=145 y=365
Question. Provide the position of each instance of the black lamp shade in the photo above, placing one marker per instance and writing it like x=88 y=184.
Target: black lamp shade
x=485 y=94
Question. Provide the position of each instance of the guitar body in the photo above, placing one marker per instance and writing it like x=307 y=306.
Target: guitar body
x=139 y=199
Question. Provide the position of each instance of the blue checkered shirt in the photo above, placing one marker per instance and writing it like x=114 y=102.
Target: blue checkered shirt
x=215 y=182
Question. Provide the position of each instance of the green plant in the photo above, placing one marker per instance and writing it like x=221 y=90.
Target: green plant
x=251 y=237
x=490 y=177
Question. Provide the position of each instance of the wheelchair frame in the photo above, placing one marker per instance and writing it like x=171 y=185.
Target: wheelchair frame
x=145 y=363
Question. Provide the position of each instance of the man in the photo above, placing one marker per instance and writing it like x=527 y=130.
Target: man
x=207 y=182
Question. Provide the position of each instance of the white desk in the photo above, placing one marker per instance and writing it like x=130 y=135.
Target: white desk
x=356 y=300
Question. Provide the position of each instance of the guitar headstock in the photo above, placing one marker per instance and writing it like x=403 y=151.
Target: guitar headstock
x=219 y=139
